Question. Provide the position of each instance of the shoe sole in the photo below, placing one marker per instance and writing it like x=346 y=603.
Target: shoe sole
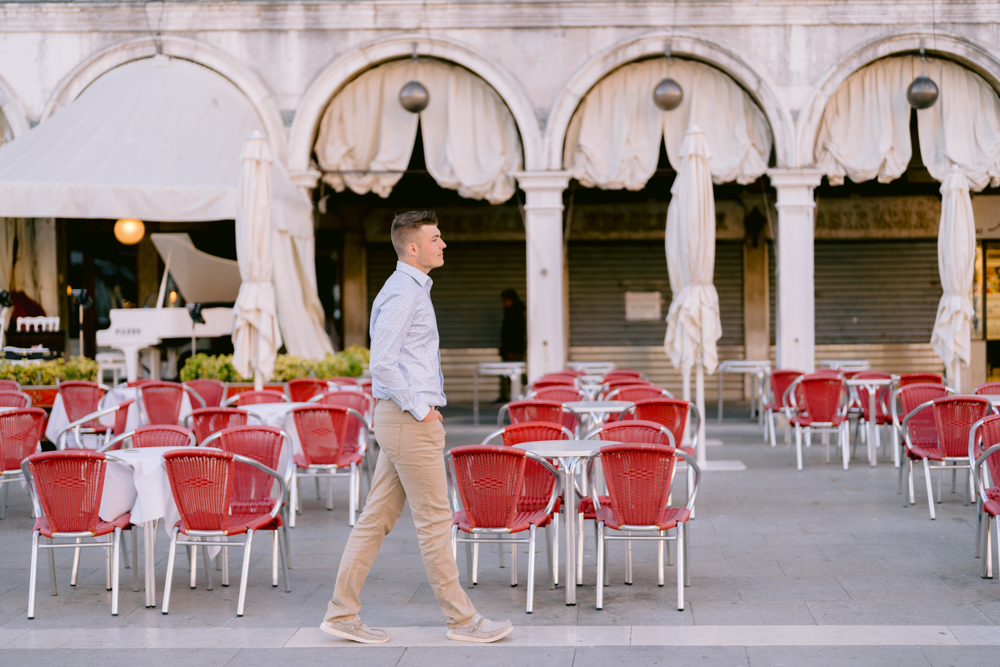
x=480 y=640
x=354 y=638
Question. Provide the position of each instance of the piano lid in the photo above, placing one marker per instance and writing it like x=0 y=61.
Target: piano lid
x=202 y=278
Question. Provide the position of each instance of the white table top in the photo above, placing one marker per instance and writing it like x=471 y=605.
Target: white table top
x=273 y=414
x=563 y=448
x=870 y=382
x=598 y=406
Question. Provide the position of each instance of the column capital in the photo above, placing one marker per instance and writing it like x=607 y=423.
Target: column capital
x=791 y=178
x=542 y=180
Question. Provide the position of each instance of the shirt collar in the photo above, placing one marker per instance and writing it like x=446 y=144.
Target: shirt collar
x=422 y=278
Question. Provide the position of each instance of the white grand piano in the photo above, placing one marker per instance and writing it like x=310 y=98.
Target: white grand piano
x=201 y=278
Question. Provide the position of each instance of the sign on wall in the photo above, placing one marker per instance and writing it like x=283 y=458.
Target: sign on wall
x=643 y=306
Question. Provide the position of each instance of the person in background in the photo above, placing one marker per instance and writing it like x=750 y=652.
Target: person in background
x=513 y=336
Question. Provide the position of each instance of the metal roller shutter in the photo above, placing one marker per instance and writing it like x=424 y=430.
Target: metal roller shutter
x=601 y=273
x=466 y=290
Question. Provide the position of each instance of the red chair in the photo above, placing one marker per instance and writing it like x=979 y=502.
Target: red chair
x=252 y=487
x=161 y=401
x=10 y=385
x=954 y=417
x=636 y=392
x=260 y=397
x=638 y=478
x=81 y=398
x=672 y=413
x=20 y=431
x=157 y=435
x=825 y=400
x=779 y=381
x=140 y=382
x=211 y=391
x=923 y=431
x=67 y=498
x=984 y=445
x=487 y=482
x=14 y=399
x=906 y=379
x=324 y=433
x=364 y=403
x=632 y=431
x=560 y=394
x=202 y=482
x=86 y=424
x=624 y=373
x=620 y=381
x=301 y=390
x=209 y=421
x=344 y=381
x=535 y=410
x=560 y=381
x=988 y=389
x=882 y=395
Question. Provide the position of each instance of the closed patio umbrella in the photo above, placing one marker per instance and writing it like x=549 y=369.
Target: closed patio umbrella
x=256 y=337
x=693 y=325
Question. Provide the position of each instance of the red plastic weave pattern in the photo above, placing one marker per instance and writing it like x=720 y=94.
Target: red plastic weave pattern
x=69 y=485
x=161 y=401
x=881 y=396
x=20 y=431
x=161 y=435
x=211 y=391
x=622 y=372
x=954 y=416
x=9 y=385
x=541 y=411
x=560 y=394
x=515 y=434
x=624 y=381
x=635 y=432
x=669 y=412
x=823 y=396
x=489 y=480
x=563 y=381
x=637 y=392
x=638 y=479
x=907 y=379
x=301 y=390
x=260 y=397
x=922 y=427
x=356 y=400
x=201 y=481
x=322 y=434
x=14 y=399
x=781 y=380
x=80 y=399
x=252 y=487
x=990 y=433
x=538 y=481
x=988 y=389
x=208 y=421
x=343 y=381
x=121 y=419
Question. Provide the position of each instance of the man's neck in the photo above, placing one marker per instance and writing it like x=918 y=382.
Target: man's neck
x=413 y=262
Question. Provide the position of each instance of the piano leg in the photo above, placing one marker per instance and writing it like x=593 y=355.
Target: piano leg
x=131 y=353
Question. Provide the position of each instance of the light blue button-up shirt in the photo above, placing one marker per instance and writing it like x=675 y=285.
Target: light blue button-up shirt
x=405 y=362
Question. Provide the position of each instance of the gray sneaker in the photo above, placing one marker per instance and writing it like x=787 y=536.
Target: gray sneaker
x=355 y=630
x=480 y=630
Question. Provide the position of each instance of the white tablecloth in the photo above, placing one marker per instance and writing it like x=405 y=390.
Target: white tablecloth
x=143 y=491
x=59 y=419
x=279 y=415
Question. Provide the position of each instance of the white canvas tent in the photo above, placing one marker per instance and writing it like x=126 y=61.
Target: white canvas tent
x=161 y=139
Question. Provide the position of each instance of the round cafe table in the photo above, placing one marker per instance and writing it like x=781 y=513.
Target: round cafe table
x=569 y=453
x=597 y=410
x=872 y=386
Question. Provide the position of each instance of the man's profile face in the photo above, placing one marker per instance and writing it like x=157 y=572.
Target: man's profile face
x=427 y=248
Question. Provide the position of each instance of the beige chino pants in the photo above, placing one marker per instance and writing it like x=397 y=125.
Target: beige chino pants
x=410 y=467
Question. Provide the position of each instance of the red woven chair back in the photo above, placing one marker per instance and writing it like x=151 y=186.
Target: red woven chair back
x=635 y=432
x=922 y=427
x=624 y=381
x=669 y=412
x=638 y=392
x=561 y=381
x=20 y=431
x=356 y=400
x=121 y=420
x=990 y=434
x=14 y=399
x=211 y=391
x=201 y=481
x=139 y=383
x=208 y=421
x=161 y=401
x=515 y=434
x=69 y=486
x=252 y=487
x=638 y=479
x=490 y=480
x=881 y=396
x=80 y=398
x=781 y=380
x=343 y=381
x=954 y=417
x=301 y=390
x=538 y=482
x=535 y=410
x=10 y=385
x=560 y=394
x=323 y=433
x=260 y=397
x=622 y=372
x=988 y=389
x=822 y=396
x=161 y=435
x=907 y=379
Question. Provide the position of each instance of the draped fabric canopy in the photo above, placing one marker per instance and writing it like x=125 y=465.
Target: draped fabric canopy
x=865 y=134
x=161 y=139
x=470 y=141
x=613 y=140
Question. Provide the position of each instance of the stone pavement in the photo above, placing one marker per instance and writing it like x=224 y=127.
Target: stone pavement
x=787 y=568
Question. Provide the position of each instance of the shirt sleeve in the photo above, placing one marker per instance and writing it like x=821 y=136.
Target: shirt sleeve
x=388 y=331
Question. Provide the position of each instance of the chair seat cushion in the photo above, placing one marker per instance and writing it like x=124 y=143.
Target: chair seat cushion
x=586 y=506
x=538 y=503
x=254 y=508
x=671 y=518
x=922 y=452
x=992 y=507
x=344 y=462
x=237 y=524
x=806 y=420
x=103 y=527
x=522 y=521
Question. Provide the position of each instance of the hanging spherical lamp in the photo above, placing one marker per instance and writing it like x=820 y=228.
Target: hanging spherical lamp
x=414 y=97
x=129 y=231
x=922 y=92
x=668 y=94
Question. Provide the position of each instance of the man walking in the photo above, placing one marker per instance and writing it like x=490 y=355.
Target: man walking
x=406 y=379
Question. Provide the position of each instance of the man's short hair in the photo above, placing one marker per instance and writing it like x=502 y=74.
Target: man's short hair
x=405 y=226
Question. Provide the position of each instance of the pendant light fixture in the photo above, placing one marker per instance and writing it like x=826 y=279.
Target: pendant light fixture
x=668 y=94
x=922 y=93
x=414 y=96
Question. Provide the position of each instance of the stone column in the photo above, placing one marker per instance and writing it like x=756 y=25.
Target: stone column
x=794 y=267
x=543 y=227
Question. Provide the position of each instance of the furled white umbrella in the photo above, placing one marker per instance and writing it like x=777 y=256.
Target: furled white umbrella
x=956 y=261
x=256 y=337
x=693 y=325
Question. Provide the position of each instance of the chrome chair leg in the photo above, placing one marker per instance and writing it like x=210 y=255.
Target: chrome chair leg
x=531 y=568
x=246 y=573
